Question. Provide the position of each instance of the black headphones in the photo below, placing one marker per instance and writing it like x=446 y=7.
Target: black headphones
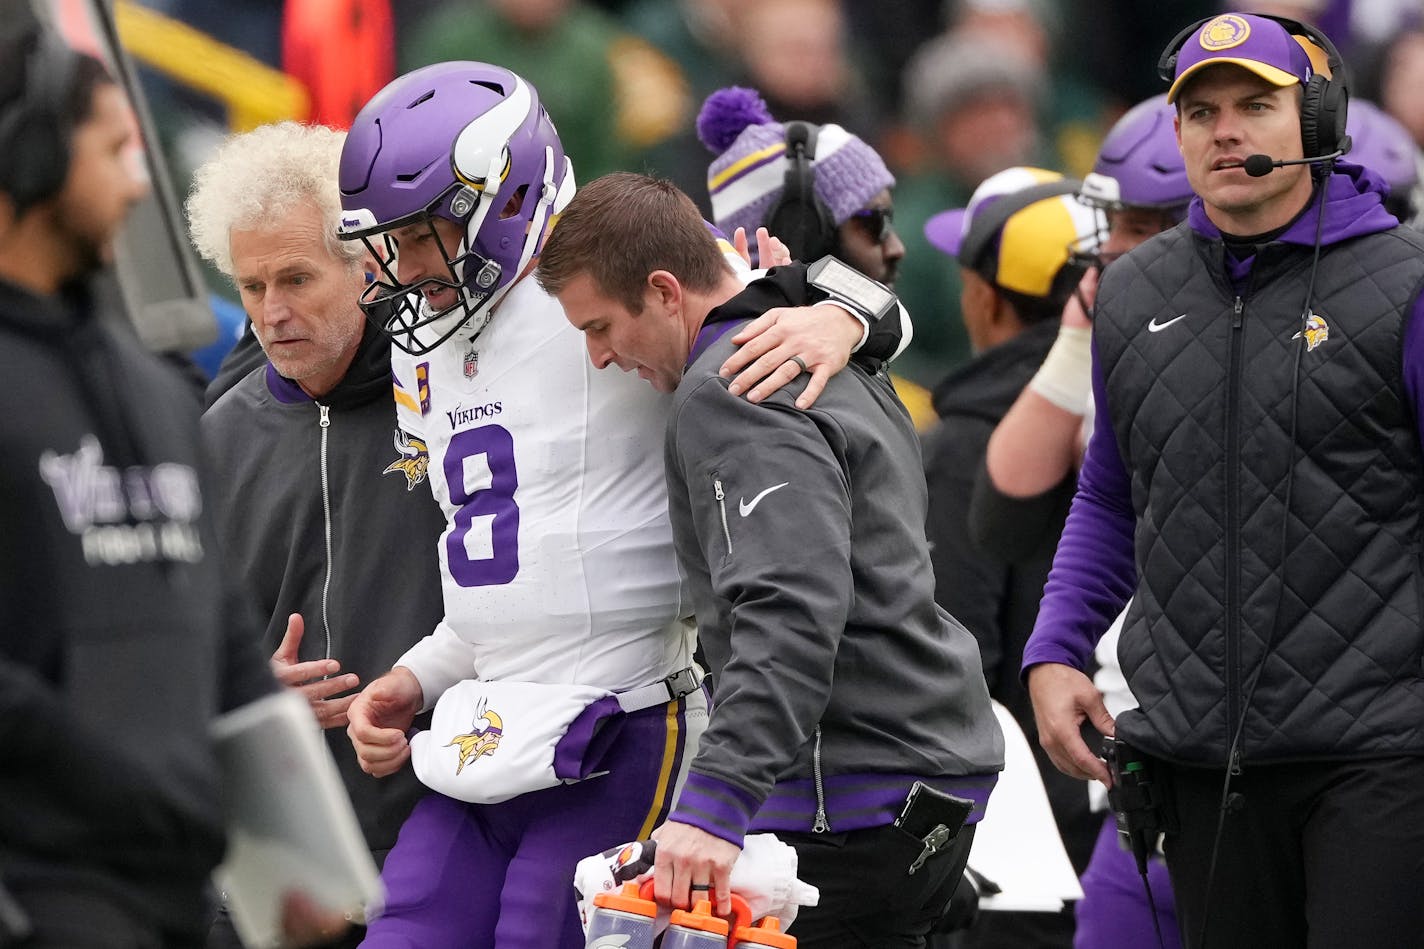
x=34 y=127
x=1323 y=108
x=800 y=218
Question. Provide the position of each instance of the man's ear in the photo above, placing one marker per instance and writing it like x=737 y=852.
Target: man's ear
x=979 y=295
x=665 y=290
x=7 y=213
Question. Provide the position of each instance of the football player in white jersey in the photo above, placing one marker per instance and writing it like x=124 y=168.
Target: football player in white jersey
x=557 y=557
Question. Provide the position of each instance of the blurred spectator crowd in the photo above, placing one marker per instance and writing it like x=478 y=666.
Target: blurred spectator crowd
x=948 y=91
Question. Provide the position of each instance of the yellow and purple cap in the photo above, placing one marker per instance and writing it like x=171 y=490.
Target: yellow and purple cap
x=1257 y=44
x=1018 y=229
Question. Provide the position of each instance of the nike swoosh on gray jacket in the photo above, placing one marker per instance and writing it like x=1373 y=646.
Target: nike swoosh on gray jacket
x=837 y=680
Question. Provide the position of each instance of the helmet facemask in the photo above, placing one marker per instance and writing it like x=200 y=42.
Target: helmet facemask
x=1100 y=194
x=403 y=310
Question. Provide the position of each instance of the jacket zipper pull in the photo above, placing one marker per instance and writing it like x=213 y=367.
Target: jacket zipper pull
x=821 y=824
x=1235 y=762
x=1236 y=309
x=325 y=423
x=722 y=511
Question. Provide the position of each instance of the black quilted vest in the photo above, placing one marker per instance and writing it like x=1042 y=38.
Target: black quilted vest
x=1328 y=611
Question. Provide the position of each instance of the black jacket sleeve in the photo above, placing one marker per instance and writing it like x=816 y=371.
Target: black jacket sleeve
x=1013 y=528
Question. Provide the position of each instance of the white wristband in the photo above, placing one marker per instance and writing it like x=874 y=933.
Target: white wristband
x=1066 y=376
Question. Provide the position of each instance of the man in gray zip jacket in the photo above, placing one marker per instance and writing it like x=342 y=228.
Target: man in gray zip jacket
x=839 y=685
x=319 y=502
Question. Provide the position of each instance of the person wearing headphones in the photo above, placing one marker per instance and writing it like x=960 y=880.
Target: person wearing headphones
x=1253 y=486
x=821 y=190
x=829 y=193
x=121 y=635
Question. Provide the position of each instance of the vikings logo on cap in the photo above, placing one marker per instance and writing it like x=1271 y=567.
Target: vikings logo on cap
x=482 y=738
x=1224 y=32
x=1316 y=332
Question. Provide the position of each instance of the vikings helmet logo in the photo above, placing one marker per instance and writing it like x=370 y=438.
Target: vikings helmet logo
x=1225 y=32
x=1316 y=332
x=415 y=458
x=482 y=739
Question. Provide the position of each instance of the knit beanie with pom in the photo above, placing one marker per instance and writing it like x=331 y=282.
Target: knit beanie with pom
x=746 y=178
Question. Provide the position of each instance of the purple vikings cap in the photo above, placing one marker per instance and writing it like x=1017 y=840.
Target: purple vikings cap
x=1254 y=43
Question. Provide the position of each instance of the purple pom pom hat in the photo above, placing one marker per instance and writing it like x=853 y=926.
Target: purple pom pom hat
x=745 y=181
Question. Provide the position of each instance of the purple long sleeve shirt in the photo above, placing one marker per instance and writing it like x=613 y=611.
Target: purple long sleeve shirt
x=1094 y=570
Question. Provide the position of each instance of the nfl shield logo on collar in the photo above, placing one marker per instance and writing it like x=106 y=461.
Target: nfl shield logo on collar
x=472 y=362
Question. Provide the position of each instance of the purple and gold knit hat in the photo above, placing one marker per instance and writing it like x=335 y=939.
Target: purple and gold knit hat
x=746 y=178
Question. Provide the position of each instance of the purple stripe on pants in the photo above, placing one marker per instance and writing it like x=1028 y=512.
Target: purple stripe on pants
x=500 y=876
x=1113 y=912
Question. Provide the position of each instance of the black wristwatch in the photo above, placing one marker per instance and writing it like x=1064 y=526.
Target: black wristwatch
x=848 y=286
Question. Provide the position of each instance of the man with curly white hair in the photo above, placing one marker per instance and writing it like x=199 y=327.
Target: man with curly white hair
x=314 y=485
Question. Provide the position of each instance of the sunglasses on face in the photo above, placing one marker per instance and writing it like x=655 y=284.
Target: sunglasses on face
x=878 y=222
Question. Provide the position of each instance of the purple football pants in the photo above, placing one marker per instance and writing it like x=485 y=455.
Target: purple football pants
x=1113 y=913
x=500 y=876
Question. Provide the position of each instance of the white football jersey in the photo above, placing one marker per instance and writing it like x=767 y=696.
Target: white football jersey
x=557 y=554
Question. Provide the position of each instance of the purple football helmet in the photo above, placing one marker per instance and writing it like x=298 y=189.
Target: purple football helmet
x=1139 y=164
x=1139 y=167
x=1384 y=146
x=463 y=141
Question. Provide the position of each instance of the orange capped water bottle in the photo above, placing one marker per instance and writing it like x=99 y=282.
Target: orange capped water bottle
x=622 y=919
x=696 y=929
x=767 y=932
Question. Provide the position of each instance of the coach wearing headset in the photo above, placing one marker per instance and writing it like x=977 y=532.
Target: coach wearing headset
x=1254 y=485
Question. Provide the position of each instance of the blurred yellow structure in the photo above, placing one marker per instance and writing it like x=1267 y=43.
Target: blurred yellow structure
x=253 y=92
x=917 y=400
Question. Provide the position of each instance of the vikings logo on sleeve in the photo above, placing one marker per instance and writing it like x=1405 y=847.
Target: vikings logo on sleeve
x=1316 y=332
x=482 y=738
x=415 y=458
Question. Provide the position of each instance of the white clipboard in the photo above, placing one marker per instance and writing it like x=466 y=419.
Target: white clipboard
x=289 y=821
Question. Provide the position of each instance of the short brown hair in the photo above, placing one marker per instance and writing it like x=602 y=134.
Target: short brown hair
x=622 y=227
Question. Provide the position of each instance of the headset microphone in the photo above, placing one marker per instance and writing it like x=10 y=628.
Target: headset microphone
x=1258 y=166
